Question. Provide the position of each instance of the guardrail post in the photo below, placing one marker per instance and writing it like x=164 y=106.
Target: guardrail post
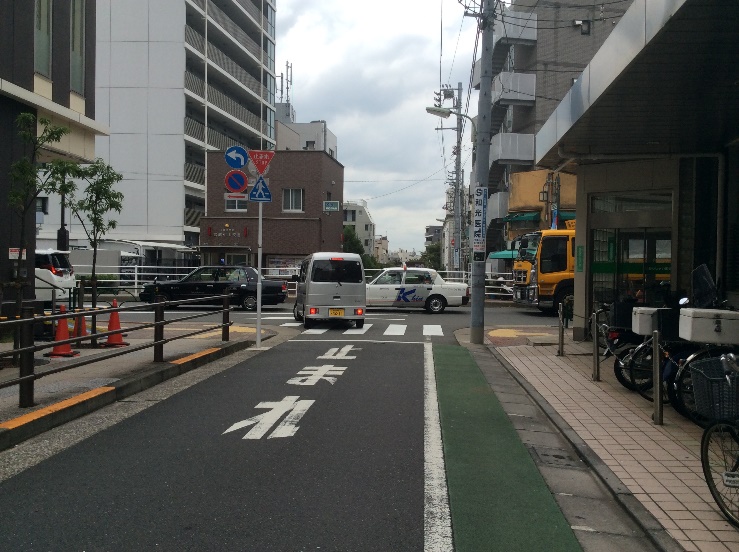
x=226 y=312
x=596 y=349
x=25 y=393
x=656 y=378
x=159 y=332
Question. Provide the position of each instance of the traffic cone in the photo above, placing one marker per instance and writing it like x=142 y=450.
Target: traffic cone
x=114 y=323
x=62 y=334
x=80 y=327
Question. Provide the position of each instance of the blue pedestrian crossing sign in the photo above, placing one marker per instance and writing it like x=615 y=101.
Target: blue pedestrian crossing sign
x=236 y=157
x=260 y=192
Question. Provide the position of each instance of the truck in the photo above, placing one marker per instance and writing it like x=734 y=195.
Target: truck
x=544 y=271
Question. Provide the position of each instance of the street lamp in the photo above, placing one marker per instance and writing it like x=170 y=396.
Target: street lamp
x=445 y=112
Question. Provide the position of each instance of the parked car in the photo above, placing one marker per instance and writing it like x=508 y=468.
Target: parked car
x=209 y=281
x=415 y=288
x=53 y=272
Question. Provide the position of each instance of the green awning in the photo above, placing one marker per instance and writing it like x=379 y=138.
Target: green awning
x=566 y=215
x=507 y=254
x=527 y=216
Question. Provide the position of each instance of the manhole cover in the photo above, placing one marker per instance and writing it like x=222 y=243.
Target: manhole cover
x=555 y=457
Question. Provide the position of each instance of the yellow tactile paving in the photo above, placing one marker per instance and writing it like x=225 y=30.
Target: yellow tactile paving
x=660 y=465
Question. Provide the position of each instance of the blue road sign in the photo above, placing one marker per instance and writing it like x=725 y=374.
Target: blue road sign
x=236 y=181
x=260 y=192
x=236 y=157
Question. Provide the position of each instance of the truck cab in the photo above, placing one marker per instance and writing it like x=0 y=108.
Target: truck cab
x=544 y=271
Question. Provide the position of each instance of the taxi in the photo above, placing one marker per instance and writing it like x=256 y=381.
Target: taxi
x=421 y=288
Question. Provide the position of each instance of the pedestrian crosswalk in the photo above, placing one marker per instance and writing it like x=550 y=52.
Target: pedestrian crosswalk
x=369 y=329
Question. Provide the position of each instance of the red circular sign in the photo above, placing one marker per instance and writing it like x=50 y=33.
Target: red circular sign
x=236 y=181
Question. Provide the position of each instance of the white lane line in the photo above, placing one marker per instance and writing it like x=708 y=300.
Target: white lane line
x=316 y=331
x=358 y=331
x=395 y=329
x=292 y=324
x=437 y=525
x=432 y=329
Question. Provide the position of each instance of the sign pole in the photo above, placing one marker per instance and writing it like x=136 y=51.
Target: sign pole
x=259 y=279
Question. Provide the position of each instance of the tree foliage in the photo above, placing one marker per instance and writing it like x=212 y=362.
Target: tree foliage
x=352 y=244
x=432 y=256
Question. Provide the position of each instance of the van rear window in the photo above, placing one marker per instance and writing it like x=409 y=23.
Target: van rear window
x=331 y=270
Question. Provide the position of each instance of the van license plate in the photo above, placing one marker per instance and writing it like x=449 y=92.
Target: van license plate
x=336 y=312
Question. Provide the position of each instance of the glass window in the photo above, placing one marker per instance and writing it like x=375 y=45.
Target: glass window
x=270 y=130
x=42 y=205
x=391 y=277
x=270 y=54
x=42 y=38
x=554 y=255
x=271 y=85
x=236 y=204
x=270 y=20
x=337 y=270
x=293 y=199
x=77 y=47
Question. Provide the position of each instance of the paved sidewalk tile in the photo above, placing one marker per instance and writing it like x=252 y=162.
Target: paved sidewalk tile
x=660 y=465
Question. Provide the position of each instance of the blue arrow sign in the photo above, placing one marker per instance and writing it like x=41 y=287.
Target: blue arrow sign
x=236 y=157
x=260 y=192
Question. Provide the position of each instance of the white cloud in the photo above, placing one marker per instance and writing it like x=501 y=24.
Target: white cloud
x=369 y=69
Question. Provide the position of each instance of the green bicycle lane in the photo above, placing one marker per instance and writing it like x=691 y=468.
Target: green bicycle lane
x=497 y=497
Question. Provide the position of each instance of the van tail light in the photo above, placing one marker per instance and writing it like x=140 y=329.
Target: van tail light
x=284 y=286
x=359 y=312
x=313 y=310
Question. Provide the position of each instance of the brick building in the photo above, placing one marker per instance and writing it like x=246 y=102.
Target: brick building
x=294 y=223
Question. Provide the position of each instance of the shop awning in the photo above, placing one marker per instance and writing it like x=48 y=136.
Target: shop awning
x=507 y=254
x=532 y=216
x=566 y=215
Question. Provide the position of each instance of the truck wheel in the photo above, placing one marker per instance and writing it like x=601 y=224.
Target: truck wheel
x=296 y=314
x=559 y=297
x=249 y=302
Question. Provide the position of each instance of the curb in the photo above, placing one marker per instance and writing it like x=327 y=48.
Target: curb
x=22 y=428
x=652 y=528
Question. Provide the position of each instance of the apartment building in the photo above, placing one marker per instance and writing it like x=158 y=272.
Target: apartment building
x=173 y=76
x=47 y=68
x=359 y=218
x=313 y=136
x=540 y=50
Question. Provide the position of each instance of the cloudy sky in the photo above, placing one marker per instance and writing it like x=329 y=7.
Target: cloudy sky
x=369 y=69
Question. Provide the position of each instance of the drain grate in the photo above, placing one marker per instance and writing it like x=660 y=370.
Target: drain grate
x=555 y=457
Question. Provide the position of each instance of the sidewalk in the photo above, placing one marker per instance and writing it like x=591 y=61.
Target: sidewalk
x=613 y=430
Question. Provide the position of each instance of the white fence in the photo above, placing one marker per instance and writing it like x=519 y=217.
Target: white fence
x=131 y=279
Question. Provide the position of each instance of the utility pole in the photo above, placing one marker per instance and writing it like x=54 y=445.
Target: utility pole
x=457 y=185
x=482 y=166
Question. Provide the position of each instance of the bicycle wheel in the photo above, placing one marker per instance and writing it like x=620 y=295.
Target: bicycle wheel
x=681 y=391
x=621 y=370
x=720 y=461
x=640 y=370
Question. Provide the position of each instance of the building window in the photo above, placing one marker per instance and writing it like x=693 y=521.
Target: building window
x=366 y=227
x=310 y=145
x=350 y=215
x=293 y=199
x=42 y=205
x=270 y=130
x=270 y=20
x=270 y=54
x=236 y=205
x=77 y=47
x=42 y=38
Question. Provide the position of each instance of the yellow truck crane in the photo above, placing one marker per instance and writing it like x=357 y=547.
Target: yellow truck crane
x=544 y=271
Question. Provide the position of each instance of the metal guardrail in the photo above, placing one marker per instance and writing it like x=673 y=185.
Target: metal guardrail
x=27 y=348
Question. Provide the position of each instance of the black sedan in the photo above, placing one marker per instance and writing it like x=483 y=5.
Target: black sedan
x=211 y=281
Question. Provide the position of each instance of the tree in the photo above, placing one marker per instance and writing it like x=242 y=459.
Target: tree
x=432 y=256
x=26 y=182
x=352 y=244
x=99 y=199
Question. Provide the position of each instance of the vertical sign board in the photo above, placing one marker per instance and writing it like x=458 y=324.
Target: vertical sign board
x=579 y=258
x=479 y=205
x=260 y=192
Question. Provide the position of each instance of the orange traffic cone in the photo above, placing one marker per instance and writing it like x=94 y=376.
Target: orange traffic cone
x=62 y=334
x=114 y=323
x=80 y=327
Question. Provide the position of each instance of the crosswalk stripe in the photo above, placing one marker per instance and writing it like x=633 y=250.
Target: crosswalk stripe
x=358 y=331
x=396 y=329
x=316 y=331
x=432 y=329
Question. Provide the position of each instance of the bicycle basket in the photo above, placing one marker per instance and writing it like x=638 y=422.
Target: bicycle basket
x=714 y=397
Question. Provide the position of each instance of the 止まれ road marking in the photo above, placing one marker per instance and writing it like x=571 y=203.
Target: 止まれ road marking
x=294 y=408
x=311 y=375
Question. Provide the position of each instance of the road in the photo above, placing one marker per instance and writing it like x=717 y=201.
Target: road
x=327 y=441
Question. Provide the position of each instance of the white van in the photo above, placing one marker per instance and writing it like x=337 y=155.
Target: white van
x=331 y=286
x=53 y=271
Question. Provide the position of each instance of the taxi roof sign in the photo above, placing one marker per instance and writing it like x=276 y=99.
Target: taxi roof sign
x=261 y=159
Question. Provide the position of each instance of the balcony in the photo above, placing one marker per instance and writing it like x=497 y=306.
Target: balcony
x=192 y=217
x=220 y=100
x=512 y=149
x=514 y=88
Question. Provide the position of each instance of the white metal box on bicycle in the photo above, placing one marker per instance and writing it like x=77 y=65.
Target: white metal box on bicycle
x=710 y=326
x=643 y=319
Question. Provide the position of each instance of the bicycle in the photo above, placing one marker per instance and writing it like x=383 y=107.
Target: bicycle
x=716 y=386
